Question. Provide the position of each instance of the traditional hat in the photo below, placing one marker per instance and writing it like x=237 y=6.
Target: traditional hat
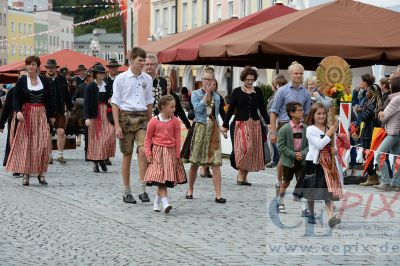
x=99 y=68
x=51 y=63
x=64 y=71
x=81 y=67
x=113 y=63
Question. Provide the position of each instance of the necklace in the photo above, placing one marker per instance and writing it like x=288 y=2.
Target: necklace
x=34 y=81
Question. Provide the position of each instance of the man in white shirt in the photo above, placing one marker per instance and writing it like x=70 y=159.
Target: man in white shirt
x=132 y=106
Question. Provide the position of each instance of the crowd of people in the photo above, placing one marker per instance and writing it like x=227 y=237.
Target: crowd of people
x=140 y=109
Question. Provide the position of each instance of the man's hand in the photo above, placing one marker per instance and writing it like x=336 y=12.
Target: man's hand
x=118 y=132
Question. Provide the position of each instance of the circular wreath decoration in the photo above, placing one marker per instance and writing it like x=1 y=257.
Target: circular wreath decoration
x=334 y=70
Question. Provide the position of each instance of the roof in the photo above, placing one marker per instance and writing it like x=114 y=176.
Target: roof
x=102 y=38
x=64 y=58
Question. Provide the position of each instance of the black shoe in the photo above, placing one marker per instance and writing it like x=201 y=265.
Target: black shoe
x=144 y=197
x=42 y=180
x=108 y=162
x=96 y=168
x=311 y=219
x=189 y=196
x=103 y=166
x=334 y=221
x=220 y=200
x=243 y=183
x=129 y=199
x=271 y=165
x=16 y=174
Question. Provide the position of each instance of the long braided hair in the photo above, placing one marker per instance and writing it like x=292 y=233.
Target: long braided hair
x=376 y=98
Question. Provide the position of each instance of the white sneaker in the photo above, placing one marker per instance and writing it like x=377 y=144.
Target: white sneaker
x=168 y=208
x=157 y=208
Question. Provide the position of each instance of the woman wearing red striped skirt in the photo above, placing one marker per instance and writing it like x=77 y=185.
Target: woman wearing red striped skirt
x=101 y=136
x=29 y=147
x=246 y=129
x=162 y=147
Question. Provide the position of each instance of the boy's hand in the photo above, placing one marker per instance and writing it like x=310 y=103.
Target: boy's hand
x=299 y=156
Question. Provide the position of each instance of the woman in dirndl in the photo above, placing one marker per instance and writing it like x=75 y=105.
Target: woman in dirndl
x=29 y=144
x=202 y=146
x=246 y=128
x=101 y=136
x=322 y=181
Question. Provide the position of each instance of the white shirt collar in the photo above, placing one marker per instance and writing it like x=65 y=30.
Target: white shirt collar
x=38 y=87
x=131 y=74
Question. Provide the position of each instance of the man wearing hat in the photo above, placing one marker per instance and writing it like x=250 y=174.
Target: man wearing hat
x=112 y=71
x=80 y=78
x=59 y=98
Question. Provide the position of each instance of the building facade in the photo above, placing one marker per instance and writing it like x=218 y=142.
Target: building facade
x=32 y=5
x=3 y=32
x=21 y=41
x=110 y=45
x=41 y=37
x=61 y=33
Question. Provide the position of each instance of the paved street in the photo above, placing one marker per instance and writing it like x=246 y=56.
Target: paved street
x=80 y=219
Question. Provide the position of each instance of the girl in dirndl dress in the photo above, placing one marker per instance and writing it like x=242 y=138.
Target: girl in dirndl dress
x=324 y=182
x=248 y=101
x=101 y=133
x=162 y=148
x=29 y=143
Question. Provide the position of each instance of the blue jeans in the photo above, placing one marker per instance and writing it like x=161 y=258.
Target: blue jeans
x=391 y=144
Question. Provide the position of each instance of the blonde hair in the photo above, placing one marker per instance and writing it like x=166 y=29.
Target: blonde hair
x=295 y=65
x=164 y=101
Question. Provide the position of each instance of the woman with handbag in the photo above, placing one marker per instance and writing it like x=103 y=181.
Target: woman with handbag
x=322 y=181
x=101 y=133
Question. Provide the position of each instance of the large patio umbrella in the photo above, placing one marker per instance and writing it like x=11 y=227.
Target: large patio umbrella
x=64 y=58
x=166 y=43
x=360 y=33
x=188 y=51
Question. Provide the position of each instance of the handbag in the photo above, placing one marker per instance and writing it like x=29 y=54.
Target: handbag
x=191 y=114
x=110 y=117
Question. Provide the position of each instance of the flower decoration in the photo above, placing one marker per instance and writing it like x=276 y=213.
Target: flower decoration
x=336 y=93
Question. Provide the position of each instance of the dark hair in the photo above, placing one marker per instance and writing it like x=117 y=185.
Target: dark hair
x=291 y=108
x=368 y=78
x=209 y=69
x=137 y=52
x=314 y=109
x=280 y=80
x=164 y=100
x=248 y=70
x=184 y=90
x=32 y=58
x=385 y=81
x=227 y=99
x=395 y=84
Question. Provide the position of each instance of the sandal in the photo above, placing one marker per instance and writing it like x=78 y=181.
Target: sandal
x=25 y=180
x=42 y=180
x=189 y=196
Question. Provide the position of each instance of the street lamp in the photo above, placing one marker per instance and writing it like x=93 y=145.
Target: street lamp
x=94 y=46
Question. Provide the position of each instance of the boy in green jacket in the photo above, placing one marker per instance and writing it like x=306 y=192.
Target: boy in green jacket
x=293 y=148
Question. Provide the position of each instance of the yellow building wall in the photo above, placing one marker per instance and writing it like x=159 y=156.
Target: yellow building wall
x=18 y=46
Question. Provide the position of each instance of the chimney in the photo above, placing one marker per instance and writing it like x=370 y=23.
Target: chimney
x=50 y=5
x=18 y=4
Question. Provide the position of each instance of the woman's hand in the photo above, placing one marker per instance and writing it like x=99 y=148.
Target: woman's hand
x=150 y=159
x=381 y=115
x=20 y=116
x=52 y=120
x=87 y=122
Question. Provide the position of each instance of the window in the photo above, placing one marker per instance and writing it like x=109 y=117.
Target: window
x=51 y=40
x=5 y=19
x=165 y=19
x=67 y=45
x=230 y=9
x=12 y=26
x=260 y=5
x=204 y=12
x=30 y=28
x=62 y=44
x=31 y=51
x=218 y=14
x=156 y=20
x=21 y=51
x=67 y=30
x=243 y=8
x=184 y=16
x=58 y=41
x=19 y=27
x=25 y=28
x=1 y=19
x=194 y=12
x=173 y=19
x=62 y=30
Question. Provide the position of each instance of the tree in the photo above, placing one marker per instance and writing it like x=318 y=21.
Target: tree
x=112 y=25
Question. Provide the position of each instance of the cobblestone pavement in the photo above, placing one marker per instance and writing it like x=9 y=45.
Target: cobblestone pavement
x=80 y=219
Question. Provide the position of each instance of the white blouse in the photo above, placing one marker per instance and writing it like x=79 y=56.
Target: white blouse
x=37 y=87
x=102 y=88
x=315 y=142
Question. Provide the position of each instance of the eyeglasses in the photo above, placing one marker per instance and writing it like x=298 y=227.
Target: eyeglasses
x=207 y=79
x=249 y=80
x=150 y=64
x=300 y=110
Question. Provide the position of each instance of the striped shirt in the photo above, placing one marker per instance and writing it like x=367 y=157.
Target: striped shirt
x=287 y=94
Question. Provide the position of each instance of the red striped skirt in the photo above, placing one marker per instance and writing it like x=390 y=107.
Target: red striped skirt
x=331 y=176
x=248 y=146
x=101 y=137
x=29 y=152
x=165 y=168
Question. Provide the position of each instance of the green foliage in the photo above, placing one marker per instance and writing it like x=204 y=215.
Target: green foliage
x=266 y=91
x=112 y=25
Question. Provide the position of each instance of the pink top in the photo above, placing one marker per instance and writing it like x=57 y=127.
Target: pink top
x=166 y=134
x=296 y=129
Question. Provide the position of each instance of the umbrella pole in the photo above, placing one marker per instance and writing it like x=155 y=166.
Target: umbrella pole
x=277 y=67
